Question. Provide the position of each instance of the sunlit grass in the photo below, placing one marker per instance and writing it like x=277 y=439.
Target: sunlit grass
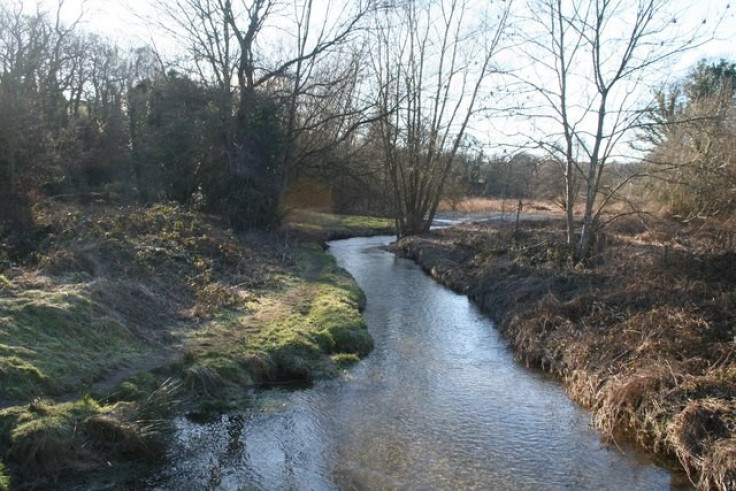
x=338 y=225
x=56 y=340
x=288 y=334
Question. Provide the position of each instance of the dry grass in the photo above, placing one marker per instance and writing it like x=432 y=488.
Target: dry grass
x=696 y=430
x=485 y=205
x=645 y=335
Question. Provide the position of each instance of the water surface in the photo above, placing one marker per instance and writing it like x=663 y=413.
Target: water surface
x=439 y=404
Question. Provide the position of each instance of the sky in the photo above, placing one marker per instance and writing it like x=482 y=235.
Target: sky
x=119 y=20
x=115 y=19
x=124 y=22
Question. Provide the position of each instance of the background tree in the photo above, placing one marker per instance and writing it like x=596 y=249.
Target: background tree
x=599 y=56
x=63 y=94
x=432 y=60
x=36 y=74
x=171 y=119
x=279 y=109
x=693 y=157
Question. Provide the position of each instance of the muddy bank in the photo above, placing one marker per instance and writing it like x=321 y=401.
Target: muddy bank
x=644 y=336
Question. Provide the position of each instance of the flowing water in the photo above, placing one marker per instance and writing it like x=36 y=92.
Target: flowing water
x=439 y=404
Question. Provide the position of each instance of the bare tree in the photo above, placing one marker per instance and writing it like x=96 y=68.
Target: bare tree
x=34 y=76
x=589 y=64
x=692 y=156
x=226 y=45
x=432 y=60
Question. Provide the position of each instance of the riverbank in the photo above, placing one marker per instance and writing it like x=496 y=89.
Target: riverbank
x=644 y=336
x=116 y=318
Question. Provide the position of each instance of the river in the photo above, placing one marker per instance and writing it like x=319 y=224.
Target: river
x=439 y=404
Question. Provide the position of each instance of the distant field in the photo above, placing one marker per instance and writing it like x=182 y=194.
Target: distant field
x=482 y=205
x=333 y=226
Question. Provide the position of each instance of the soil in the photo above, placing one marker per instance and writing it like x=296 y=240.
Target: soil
x=643 y=334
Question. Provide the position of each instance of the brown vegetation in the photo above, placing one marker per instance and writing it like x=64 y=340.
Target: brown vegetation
x=644 y=334
x=487 y=205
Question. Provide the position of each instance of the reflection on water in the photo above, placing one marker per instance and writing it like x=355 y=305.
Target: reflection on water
x=439 y=404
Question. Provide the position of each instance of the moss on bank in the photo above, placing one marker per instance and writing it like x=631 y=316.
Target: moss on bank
x=122 y=315
x=291 y=334
x=646 y=337
x=4 y=479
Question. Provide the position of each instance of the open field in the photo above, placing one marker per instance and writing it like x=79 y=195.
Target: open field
x=486 y=205
x=327 y=226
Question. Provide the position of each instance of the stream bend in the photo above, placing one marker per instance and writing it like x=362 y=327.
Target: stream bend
x=439 y=404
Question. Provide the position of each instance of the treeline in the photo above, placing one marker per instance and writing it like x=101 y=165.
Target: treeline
x=687 y=139
x=518 y=176
x=691 y=130
x=274 y=104
x=80 y=115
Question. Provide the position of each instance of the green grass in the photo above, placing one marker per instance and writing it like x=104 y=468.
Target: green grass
x=58 y=340
x=293 y=334
x=333 y=225
x=44 y=437
x=115 y=286
x=50 y=441
x=137 y=387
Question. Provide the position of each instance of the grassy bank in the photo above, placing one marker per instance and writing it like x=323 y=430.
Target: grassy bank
x=332 y=227
x=644 y=335
x=117 y=317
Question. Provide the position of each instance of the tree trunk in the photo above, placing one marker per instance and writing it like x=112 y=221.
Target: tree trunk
x=12 y=171
x=570 y=203
x=586 y=234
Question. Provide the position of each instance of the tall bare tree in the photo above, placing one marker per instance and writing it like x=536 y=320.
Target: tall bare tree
x=34 y=76
x=590 y=62
x=432 y=61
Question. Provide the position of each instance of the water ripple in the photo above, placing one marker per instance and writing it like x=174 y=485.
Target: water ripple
x=439 y=404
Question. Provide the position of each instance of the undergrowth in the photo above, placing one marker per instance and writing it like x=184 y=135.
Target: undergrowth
x=4 y=478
